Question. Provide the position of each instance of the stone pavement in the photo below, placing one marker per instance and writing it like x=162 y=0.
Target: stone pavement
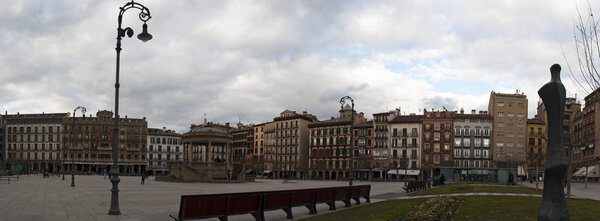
x=37 y=198
x=577 y=189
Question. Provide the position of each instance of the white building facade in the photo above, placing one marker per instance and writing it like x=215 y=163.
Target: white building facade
x=164 y=146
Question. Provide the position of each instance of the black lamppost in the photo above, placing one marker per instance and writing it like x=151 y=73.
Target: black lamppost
x=144 y=36
x=73 y=143
x=342 y=102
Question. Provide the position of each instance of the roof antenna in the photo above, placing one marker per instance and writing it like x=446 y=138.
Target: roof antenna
x=204 y=118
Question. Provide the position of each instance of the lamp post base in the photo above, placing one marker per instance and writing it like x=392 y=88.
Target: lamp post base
x=114 y=197
x=72 y=179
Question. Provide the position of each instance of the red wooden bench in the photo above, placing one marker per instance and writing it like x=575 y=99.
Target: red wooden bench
x=256 y=203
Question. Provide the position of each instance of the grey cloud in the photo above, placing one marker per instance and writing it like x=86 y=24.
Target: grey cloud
x=439 y=102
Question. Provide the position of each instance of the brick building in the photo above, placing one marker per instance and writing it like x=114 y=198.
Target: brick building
x=437 y=144
x=89 y=143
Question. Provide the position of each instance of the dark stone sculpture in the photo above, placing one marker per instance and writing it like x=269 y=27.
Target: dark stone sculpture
x=554 y=206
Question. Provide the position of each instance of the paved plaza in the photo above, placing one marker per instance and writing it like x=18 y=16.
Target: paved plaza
x=37 y=198
x=578 y=190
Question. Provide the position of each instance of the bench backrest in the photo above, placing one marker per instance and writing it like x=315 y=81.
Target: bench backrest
x=217 y=205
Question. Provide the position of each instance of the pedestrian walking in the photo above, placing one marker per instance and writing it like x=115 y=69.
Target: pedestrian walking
x=143 y=178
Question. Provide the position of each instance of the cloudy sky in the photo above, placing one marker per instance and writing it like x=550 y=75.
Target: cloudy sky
x=249 y=60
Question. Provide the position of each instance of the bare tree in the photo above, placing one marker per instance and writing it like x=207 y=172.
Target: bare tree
x=586 y=35
x=585 y=74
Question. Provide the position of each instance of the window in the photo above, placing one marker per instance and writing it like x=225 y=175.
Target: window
x=457 y=131
x=466 y=153
x=510 y=134
x=500 y=104
x=521 y=105
x=500 y=134
x=520 y=115
x=510 y=114
x=485 y=153
x=477 y=142
x=500 y=114
x=510 y=144
x=510 y=104
x=466 y=142
x=457 y=153
x=467 y=132
x=477 y=153
x=499 y=144
x=510 y=125
x=500 y=124
x=457 y=142
x=436 y=147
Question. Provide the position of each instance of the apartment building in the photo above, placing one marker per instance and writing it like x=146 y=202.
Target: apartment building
x=164 y=146
x=89 y=140
x=291 y=144
x=510 y=119
x=381 y=149
x=536 y=148
x=437 y=143
x=472 y=146
x=34 y=142
x=405 y=138
x=363 y=142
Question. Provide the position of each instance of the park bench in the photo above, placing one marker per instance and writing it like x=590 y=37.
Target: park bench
x=256 y=203
x=414 y=186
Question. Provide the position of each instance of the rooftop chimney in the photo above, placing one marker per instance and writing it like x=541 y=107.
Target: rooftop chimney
x=304 y=113
x=473 y=111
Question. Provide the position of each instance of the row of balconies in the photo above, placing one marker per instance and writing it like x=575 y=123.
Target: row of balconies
x=411 y=134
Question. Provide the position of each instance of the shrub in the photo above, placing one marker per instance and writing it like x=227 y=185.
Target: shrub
x=441 y=208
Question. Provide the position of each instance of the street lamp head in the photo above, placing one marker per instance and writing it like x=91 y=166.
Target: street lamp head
x=144 y=36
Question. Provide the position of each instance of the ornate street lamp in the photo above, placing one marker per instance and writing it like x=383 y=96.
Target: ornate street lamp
x=73 y=143
x=144 y=36
x=342 y=102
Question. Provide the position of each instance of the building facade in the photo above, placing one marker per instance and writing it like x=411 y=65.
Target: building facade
x=88 y=142
x=291 y=144
x=405 y=138
x=536 y=148
x=591 y=136
x=363 y=141
x=472 y=146
x=437 y=144
x=331 y=152
x=381 y=149
x=34 y=142
x=164 y=146
x=269 y=154
x=510 y=118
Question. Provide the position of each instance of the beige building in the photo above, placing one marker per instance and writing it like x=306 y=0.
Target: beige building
x=510 y=126
x=269 y=154
x=536 y=148
x=291 y=144
x=34 y=142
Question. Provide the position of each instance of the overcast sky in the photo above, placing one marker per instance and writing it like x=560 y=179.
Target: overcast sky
x=249 y=60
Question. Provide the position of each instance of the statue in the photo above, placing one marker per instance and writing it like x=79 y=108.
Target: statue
x=554 y=205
